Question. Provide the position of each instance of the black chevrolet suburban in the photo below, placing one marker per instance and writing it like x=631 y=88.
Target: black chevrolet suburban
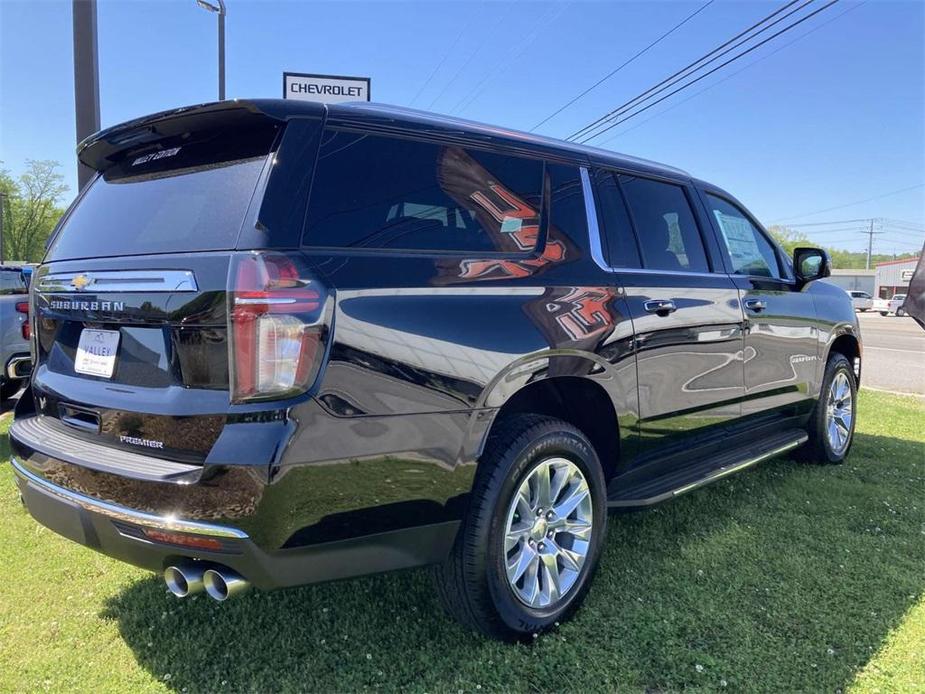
x=278 y=342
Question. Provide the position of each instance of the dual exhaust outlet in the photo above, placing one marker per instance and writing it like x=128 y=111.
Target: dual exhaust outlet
x=218 y=582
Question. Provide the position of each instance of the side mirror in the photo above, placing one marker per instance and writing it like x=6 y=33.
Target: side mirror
x=811 y=264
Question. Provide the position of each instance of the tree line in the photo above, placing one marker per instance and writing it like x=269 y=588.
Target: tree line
x=841 y=259
x=32 y=205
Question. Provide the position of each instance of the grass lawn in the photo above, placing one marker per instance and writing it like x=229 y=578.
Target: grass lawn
x=783 y=578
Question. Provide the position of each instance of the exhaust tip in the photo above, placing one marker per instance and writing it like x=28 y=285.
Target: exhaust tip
x=183 y=580
x=221 y=584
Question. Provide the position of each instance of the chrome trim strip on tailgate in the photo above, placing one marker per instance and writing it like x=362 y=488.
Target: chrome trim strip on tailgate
x=53 y=438
x=128 y=515
x=103 y=281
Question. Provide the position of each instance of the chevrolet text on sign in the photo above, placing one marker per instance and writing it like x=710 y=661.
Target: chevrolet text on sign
x=328 y=89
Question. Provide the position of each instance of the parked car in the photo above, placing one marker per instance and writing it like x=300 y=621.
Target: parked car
x=14 y=328
x=279 y=343
x=894 y=305
x=862 y=301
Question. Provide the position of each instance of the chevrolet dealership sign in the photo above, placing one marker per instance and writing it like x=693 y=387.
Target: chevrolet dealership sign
x=328 y=89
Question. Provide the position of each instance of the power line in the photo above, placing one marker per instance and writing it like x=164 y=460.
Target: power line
x=710 y=72
x=730 y=76
x=684 y=72
x=915 y=233
x=816 y=224
x=905 y=221
x=625 y=63
x=514 y=52
x=850 y=204
x=465 y=64
x=830 y=231
x=903 y=225
x=440 y=64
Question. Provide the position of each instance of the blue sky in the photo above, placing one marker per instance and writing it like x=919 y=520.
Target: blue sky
x=833 y=118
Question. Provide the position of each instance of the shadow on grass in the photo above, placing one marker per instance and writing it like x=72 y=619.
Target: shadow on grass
x=782 y=578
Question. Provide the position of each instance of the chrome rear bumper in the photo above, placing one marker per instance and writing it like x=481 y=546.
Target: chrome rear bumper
x=124 y=514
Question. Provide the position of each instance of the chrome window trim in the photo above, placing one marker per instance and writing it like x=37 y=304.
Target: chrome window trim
x=107 y=281
x=123 y=513
x=594 y=231
x=597 y=250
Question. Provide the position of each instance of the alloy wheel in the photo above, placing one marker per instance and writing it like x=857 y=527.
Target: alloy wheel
x=548 y=532
x=839 y=413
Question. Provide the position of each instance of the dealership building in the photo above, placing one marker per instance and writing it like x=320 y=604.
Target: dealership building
x=854 y=280
x=893 y=276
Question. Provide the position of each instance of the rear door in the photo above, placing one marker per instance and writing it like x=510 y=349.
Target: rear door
x=781 y=337
x=686 y=318
x=131 y=313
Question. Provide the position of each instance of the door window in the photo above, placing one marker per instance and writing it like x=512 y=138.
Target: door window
x=747 y=248
x=665 y=225
x=389 y=193
x=620 y=249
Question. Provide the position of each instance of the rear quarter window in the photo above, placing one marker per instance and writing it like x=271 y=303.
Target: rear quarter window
x=373 y=192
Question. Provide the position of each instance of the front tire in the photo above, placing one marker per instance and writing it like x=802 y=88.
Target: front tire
x=532 y=537
x=831 y=426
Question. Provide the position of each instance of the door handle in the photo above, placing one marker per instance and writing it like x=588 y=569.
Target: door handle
x=660 y=306
x=755 y=305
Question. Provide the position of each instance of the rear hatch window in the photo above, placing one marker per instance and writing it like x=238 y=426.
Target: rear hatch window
x=189 y=191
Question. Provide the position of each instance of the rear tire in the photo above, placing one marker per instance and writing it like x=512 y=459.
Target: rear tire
x=507 y=529
x=900 y=313
x=883 y=313
x=831 y=425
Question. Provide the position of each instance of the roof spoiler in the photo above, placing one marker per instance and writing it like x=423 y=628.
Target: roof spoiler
x=105 y=148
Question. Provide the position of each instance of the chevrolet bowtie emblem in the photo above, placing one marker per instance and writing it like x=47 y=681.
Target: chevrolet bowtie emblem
x=80 y=281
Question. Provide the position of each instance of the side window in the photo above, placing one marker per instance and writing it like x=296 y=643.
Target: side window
x=620 y=248
x=665 y=225
x=390 y=193
x=747 y=248
x=567 y=215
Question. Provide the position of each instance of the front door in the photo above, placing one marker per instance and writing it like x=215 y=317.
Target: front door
x=781 y=338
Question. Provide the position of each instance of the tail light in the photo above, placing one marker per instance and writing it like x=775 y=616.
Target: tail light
x=26 y=328
x=277 y=326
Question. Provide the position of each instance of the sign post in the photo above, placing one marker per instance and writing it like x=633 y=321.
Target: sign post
x=326 y=89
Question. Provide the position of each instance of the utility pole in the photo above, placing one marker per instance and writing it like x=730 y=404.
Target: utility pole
x=86 y=79
x=221 y=52
x=218 y=9
x=870 y=243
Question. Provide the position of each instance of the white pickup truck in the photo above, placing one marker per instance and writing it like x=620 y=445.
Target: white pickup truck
x=862 y=301
x=887 y=306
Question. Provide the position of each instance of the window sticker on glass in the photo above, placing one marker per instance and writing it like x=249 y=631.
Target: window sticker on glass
x=741 y=242
x=511 y=225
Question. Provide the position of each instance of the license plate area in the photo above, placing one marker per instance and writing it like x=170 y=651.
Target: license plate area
x=96 y=352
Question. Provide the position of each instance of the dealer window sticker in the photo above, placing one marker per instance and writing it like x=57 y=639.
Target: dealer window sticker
x=741 y=242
